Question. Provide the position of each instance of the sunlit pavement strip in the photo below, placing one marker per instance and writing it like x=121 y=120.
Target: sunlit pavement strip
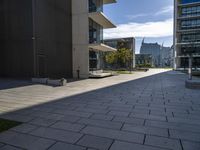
x=143 y=111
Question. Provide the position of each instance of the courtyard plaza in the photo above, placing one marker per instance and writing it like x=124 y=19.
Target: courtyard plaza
x=141 y=111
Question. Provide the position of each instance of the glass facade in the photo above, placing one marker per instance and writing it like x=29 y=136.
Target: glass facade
x=95 y=32
x=190 y=24
x=189 y=1
x=190 y=11
x=95 y=5
x=190 y=37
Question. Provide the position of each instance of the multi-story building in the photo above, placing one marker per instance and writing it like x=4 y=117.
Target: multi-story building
x=186 y=33
x=35 y=38
x=166 y=56
x=154 y=49
x=88 y=21
x=143 y=60
x=51 y=38
x=128 y=43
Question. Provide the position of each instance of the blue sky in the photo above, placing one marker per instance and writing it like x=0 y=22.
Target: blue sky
x=152 y=19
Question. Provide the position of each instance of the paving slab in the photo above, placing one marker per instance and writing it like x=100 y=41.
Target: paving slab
x=65 y=146
x=68 y=126
x=95 y=142
x=119 y=145
x=114 y=134
x=25 y=141
x=187 y=145
x=163 y=142
x=58 y=135
x=8 y=147
x=145 y=130
x=24 y=128
x=101 y=123
x=185 y=135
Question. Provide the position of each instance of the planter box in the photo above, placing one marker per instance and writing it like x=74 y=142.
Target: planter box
x=40 y=80
x=57 y=82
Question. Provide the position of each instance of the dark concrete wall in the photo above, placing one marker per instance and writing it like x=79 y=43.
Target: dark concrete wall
x=53 y=38
x=50 y=22
x=16 y=38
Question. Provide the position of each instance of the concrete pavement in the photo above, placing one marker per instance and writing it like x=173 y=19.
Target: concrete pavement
x=143 y=111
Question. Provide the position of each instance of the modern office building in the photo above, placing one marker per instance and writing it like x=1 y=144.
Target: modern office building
x=35 y=38
x=50 y=38
x=186 y=33
x=128 y=43
x=88 y=21
x=153 y=49
x=167 y=56
x=144 y=60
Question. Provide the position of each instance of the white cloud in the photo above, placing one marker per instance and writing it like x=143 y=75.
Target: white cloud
x=165 y=10
x=131 y=17
x=148 y=29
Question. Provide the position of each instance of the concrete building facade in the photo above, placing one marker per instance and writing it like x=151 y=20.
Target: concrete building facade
x=128 y=43
x=88 y=21
x=186 y=33
x=50 y=38
x=36 y=38
x=153 y=49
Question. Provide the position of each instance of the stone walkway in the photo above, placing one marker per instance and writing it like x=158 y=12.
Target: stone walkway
x=143 y=111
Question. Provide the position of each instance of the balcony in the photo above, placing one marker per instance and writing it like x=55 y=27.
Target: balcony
x=101 y=19
x=101 y=47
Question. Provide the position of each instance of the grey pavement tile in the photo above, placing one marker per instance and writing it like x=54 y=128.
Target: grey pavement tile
x=173 y=125
x=65 y=146
x=42 y=122
x=190 y=145
x=95 y=142
x=17 y=117
x=24 y=128
x=184 y=120
x=140 y=111
x=163 y=142
x=118 y=145
x=114 y=134
x=149 y=117
x=92 y=110
x=73 y=113
x=102 y=117
x=68 y=126
x=145 y=130
x=69 y=118
x=53 y=116
x=25 y=141
x=8 y=147
x=118 y=113
x=58 y=135
x=180 y=134
x=136 y=121
x=101 y=123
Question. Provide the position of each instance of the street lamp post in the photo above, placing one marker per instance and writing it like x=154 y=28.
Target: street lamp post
x=190 y=67
x=190 y=51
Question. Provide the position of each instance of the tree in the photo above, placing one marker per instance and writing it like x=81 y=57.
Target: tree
x=111 y=58
x=122 y=58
